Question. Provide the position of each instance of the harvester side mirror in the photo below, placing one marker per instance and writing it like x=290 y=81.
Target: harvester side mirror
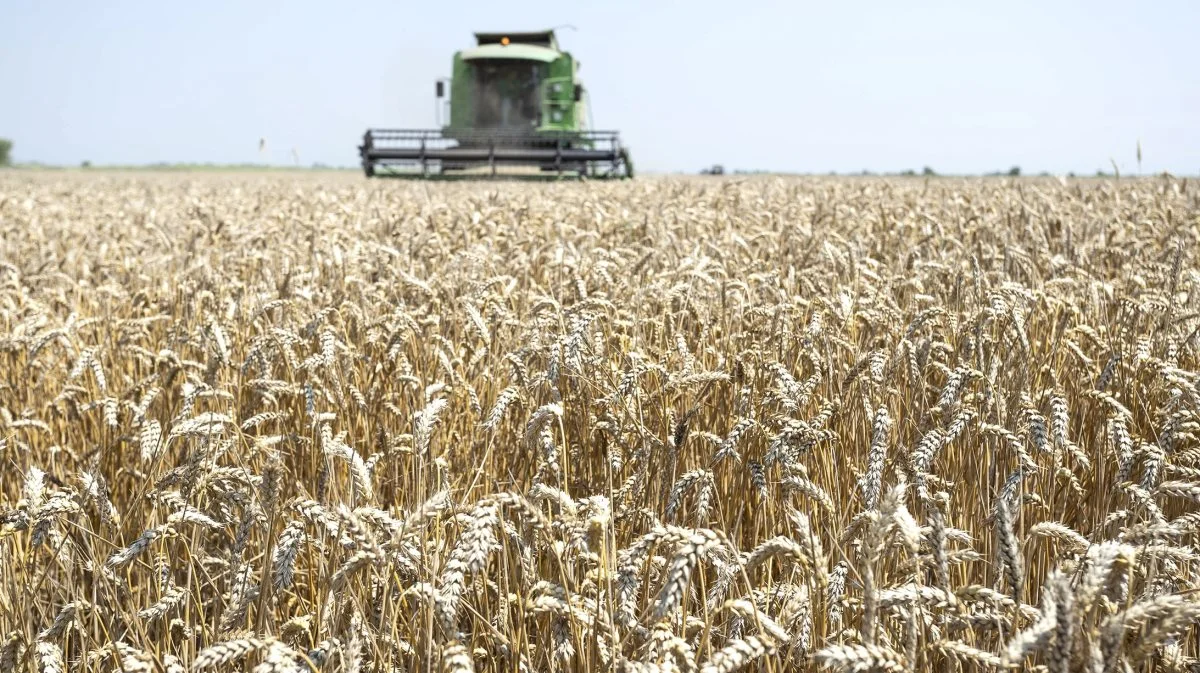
x=578 y=92
x=441 y=89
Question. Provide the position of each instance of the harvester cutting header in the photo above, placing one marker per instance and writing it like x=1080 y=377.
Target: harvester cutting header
x=515 y=100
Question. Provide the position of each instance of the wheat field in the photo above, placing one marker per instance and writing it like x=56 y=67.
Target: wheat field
x=285 y=423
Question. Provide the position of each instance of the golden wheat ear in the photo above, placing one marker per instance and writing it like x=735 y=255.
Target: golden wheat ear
x=287 y=422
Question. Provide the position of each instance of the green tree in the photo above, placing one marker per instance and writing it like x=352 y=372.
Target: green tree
x=5 y=151
x=928 y=171
x=1015 y=171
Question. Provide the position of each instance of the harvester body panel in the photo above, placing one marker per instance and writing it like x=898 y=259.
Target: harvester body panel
x=515 y=100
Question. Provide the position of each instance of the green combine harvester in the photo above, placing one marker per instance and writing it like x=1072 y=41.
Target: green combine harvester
x=515 y=102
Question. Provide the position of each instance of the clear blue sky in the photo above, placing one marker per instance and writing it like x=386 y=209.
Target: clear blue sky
x=802 y=86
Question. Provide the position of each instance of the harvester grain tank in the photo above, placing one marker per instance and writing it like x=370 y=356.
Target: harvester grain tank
x=513 y=100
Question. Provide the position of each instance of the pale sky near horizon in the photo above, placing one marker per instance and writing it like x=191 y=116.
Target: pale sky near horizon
x=962 y=87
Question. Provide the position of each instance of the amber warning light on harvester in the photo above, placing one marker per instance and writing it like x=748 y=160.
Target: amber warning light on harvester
x=504 y=41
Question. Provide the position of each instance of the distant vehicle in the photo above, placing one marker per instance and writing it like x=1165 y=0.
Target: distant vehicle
x=515 y=99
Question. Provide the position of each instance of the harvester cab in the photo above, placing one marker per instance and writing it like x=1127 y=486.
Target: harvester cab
x=513 y=101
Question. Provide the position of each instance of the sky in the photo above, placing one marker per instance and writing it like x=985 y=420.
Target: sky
x=961 y=87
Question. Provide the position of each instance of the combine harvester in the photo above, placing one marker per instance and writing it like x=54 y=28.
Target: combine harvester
x=515 y=101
